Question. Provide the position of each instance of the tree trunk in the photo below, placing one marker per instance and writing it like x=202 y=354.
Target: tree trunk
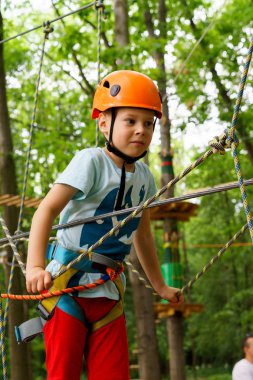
x=19 y=355
x=174 y=323
x=175 y=336
x=143 y=300
x=148 y=357
x=121 y=22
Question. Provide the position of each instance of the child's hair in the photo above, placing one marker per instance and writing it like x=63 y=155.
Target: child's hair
x=126 y=88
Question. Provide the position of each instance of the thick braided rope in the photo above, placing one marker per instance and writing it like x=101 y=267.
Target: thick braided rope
x=140 y=278
x=22 y=266
x=107 y=277
x=44 y=295
x=51 y=21
x=199 y=274
x=100 y=8
x=47 y=30
x=214 y=259
x=202 y=192
x=13 y=245
x=88 y=252
x=234 y=144
x=2 y=342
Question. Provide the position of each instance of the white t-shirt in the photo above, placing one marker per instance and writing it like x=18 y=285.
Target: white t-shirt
x=243 y=370
x=97 y=178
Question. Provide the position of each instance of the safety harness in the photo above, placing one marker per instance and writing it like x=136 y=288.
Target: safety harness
x=96 y=263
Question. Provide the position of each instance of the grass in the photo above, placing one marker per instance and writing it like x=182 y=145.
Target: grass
x=210 y=374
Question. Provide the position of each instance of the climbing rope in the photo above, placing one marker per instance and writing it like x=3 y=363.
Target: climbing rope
x=214 y=259
x=203 y=192
x=140 y=278
x=118 y=226
x=111 y=274
x=2 y=342
x=234 y=143
x=46 y=294
x=3 y=320
x=105 y=278
x=13 y=245
x=47 y=29
x=50 y=22
x=229 y=140
x=140 y=208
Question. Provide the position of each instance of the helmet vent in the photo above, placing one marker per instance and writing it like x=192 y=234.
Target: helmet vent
x=115 y=90
x=106 y=84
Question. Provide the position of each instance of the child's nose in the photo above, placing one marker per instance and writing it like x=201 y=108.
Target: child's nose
x=140 y=128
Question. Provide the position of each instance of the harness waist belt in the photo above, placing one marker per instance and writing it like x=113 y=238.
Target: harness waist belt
x=86 y=264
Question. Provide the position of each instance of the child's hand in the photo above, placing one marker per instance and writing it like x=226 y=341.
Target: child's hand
x=37 y=280
x=171 y=294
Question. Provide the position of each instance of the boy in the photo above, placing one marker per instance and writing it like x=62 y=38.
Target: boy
x=99 y=181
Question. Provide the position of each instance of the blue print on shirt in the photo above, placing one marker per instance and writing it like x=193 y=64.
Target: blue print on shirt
x=118 y=245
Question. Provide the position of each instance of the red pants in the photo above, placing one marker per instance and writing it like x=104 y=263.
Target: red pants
x=67 y=341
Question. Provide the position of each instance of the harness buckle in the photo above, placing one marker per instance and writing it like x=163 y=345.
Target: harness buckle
x=44 y=313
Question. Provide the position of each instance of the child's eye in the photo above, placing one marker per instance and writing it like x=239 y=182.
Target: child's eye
x=148 y=123
x=130 y=121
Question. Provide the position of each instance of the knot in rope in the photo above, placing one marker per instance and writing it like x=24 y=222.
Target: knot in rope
x=100 y=7
x=47 y=28
x=99 y=4
x=231 y=137
x=224 y=141
x=113 y=274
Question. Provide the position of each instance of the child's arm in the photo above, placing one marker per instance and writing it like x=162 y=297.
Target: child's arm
x=37 y=279
x=146 y=252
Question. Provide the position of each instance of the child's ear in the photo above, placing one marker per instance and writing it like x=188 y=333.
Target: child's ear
x=103 y=122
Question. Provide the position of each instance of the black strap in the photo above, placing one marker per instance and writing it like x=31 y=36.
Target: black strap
x=127 y=159
x=113 y=117
x=117 y=152
x=121 y=188
x=113 y=149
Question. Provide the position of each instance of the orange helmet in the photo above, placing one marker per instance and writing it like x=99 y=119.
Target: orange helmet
x=126 y=88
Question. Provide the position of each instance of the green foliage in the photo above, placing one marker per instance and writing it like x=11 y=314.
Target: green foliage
x=63 y=126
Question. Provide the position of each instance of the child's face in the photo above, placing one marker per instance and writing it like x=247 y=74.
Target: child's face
x=133 y=129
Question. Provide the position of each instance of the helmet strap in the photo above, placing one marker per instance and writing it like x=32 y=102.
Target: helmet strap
x=127 y=160
x=116 y=151
x=121 y=191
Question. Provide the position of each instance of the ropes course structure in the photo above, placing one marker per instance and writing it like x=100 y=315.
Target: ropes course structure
x=228 y=140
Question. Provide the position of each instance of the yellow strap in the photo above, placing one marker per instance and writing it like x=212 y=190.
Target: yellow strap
x=60 y=282
x=116 y=311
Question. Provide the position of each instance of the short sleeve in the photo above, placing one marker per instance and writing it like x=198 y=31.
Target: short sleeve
x=152 y=186
x=80 y=172
x=241 y=371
